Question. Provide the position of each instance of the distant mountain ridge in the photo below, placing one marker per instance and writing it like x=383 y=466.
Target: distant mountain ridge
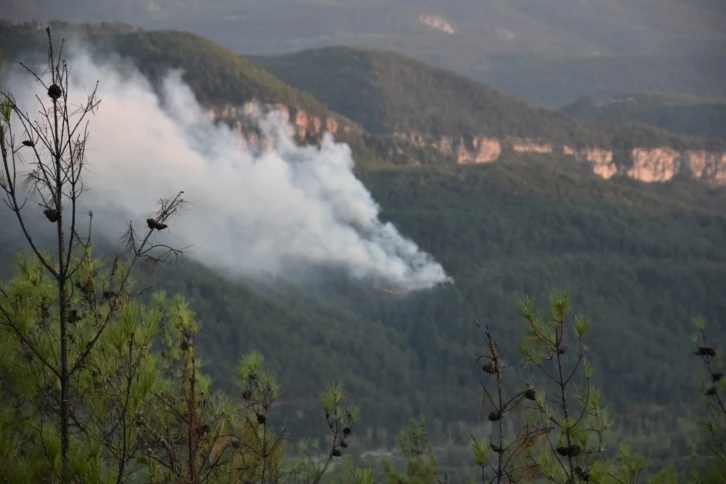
x=389 y=93
x=540 y=27
x=549 y=52
x=414 y=113
x=676 y=113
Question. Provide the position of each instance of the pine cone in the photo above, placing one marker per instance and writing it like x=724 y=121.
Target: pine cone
x=54 y=92
x=705 y=351
x=570 y=451
x=52 y=214
x=582 y=474
x=153 y=224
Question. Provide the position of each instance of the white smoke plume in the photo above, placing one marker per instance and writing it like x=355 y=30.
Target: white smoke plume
x=251 y=211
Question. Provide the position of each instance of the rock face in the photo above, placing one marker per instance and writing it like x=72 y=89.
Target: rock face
x=438 y=22
x=649 y=165
x=657 y=164
x=306 y=126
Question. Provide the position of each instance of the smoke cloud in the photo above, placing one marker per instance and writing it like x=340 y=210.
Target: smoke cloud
x=252 y=211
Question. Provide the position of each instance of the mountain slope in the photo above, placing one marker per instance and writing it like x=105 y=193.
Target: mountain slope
x=306 y=342
x=389 y=93
x=217 y=75
x=392 y=94
x=548 y=52
x=222 y=81
x=418 y=114
x=641 y=261
x=678 y=114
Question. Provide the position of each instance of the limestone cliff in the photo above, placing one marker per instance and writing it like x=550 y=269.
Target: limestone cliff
x=653 y=164
x=656 y=164
x=438 y=22
x=306 y=126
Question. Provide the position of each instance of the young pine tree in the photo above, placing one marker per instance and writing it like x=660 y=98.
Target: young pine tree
x=713 y=388
x=421 y=464
x=43 y=161
x=574 y=420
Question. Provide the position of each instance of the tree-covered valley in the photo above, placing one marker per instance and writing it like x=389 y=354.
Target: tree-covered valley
x=640 y=260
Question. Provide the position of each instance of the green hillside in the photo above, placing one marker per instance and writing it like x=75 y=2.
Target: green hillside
x=389 y=93
x=548 y=52
x=676 y=113
x=383 y=92
x=216 y=74
x=641 y=260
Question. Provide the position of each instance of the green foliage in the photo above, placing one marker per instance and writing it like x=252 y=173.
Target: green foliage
x=421 y=465
x=138 y=413
x=86 y=397
x=713 y=388
x=640 y=260
x=111 y=388
x=364 y=476
x=573 y=420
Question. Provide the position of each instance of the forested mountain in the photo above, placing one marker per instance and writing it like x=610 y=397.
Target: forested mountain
x=641 y=259
x=546 y=52
x=503 y=230
x=389 y=93
x=432 y=107
x=679 y=114
x=413 y=113
x=217 y=74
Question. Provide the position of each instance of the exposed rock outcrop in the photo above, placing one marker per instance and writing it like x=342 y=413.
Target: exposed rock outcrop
x=653 y=164
x=649 y=165
x=438 y=22
x=306 y=126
